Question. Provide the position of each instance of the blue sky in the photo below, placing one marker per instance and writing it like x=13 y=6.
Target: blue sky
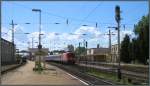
x=78 y=13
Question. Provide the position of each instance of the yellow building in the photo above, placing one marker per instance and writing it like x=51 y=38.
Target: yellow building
x=98 y=54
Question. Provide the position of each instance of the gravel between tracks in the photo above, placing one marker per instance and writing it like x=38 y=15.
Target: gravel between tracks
x=80 y=73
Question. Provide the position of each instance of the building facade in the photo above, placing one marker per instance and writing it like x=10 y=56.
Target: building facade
x=114 y=53
x=7 y=52
x=97 y=54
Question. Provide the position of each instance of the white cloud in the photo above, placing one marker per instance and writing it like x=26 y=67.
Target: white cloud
x=60 y=40
x=122 y=35
x=92 y=31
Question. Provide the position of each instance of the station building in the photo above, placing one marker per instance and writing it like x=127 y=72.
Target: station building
x=98 y=54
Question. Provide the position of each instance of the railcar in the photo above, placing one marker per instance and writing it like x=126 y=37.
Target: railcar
x=55 y=58
x=66 y=58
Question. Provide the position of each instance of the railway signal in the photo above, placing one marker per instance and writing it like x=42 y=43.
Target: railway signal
x=86 y=44
x=67 y=22
x=96 y=25
x=118 y=18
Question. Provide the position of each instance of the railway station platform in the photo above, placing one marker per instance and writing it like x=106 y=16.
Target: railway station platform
x=25 y=75
x=8 y=67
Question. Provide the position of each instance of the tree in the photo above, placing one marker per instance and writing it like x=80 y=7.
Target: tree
x=125 y=50
x=57 y=52
x=70 y=48
x=80 y=50
x=142 y=41
x=134 y=49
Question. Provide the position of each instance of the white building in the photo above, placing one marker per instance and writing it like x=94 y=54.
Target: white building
x=114 y=53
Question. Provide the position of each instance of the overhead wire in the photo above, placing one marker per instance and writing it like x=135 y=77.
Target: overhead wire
x=88 y=15
x=69 y=18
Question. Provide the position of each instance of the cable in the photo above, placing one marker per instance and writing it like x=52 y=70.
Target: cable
x=70 y=17
x=88 y=15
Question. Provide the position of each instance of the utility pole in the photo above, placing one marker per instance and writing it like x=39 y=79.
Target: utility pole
x=85 y=48
x=118 y=18
x=32 y=42
x=28 y=44
x=13 y=44
x=79 y=52
x=0 y=43
x=12 y=23
x=109 y=34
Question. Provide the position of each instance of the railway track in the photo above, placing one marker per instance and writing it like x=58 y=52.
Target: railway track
x=80 y=73
x=135 y=77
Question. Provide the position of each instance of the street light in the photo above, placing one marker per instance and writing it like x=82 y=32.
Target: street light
x=39 y=46
x=39 y=10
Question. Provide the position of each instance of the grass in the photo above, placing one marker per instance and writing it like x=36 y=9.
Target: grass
x=38 y=67
x=109 y=76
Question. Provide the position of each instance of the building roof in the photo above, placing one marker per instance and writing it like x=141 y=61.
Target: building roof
x=114 y=45
x=7 y=41
x=33 y=50
x=98 y=50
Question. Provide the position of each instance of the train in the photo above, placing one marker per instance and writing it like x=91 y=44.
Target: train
x=65 y=58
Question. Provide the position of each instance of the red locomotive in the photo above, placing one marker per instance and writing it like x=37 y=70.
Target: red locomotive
x=67 y=58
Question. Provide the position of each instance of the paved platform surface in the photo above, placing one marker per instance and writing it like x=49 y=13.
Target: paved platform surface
x=26 y=76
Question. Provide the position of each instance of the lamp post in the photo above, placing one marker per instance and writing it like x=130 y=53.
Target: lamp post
x=39 y=46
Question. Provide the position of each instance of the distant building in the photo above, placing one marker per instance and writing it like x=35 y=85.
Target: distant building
x=98 y=54
x=114 y=53
x=92 y=51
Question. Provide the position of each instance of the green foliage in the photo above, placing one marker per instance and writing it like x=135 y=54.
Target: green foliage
x=142 y=41
x=57 y=51
x=125 y=50
x=80 y=50
x=18 y=57
x=138 y=48
x=70 y=48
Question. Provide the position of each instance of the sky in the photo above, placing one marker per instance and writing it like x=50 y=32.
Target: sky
x=78 y=14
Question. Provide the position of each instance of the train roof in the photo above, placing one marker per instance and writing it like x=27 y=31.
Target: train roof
x=54 y=55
